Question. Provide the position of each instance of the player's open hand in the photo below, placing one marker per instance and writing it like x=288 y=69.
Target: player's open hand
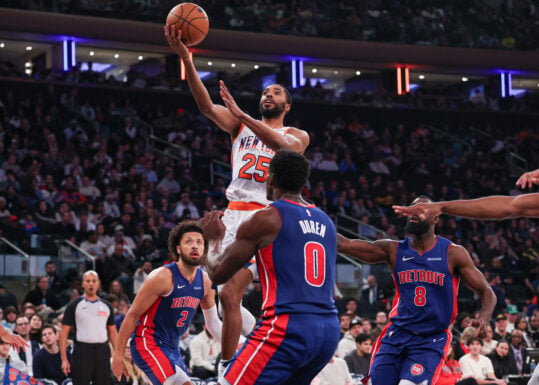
x=229 y=101
x=118 y=367
x=66 y=367
x=428 y=209
x=175 y=42
x=14 y=340
x=212 y=225
x=528 y=179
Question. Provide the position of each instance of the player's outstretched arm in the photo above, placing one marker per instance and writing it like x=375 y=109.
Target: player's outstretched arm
x=295 y=140
x=492 y=207
x=157 y=283
x=528 y=179
x=257 y=232
x=219 y=114
x=365 y=251
x=475 y=280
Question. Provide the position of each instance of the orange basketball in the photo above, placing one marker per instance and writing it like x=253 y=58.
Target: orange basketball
x=192 y=20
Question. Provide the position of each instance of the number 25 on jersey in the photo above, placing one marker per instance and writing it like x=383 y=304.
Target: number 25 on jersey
x=255 y=167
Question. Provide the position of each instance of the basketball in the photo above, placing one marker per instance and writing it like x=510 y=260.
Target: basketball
x=192 y=20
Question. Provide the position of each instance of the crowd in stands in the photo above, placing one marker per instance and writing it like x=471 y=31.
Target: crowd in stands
x=478 y=24
x=83 y=170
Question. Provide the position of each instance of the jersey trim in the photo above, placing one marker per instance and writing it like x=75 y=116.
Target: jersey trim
x=238 y=133
x=268 y=280
x=266 y=339
x=426 y=251
x=309 y=206
x=245 y=206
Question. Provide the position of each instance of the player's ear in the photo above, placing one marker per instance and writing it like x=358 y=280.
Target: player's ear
x=287 y=107
x=435 y=220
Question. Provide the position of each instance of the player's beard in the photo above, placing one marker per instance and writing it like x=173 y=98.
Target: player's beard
x=185 y=259
x=270 y=113
x=417 y=228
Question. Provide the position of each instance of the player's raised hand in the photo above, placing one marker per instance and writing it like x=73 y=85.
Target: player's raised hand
x=175 y=42
x=528 y=179
x=213 y=226
x=429 y=209
x=229 y=101
x=14 y=340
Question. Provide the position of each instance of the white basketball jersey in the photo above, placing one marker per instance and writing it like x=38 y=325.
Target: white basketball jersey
x=250 y=165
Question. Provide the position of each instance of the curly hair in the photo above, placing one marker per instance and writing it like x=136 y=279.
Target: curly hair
x=176 y=234
x=290 y=170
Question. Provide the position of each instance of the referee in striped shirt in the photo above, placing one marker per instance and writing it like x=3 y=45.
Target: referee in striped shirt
x=92 y=319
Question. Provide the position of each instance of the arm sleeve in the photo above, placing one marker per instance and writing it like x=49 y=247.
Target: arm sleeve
x=213 y=323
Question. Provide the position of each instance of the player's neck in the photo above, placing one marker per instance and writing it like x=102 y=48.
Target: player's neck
x=187 y=271
x=424 y=241
x=277 y=122
x=297 y=198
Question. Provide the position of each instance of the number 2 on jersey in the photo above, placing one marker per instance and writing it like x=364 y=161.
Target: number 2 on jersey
x=260 y=172
x=181 y=321
x=315 y=263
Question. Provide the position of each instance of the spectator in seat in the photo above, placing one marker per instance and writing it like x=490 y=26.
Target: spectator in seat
x=348 y=344
x=204 y=350
x=381 y=322
x=502 y=362
x=518 y=353
x=344 y=320
x=359 y=361
x=500 y=330
x=119 y=267
x=477 y=366
x=36 y=326
x=169 y=182
x=186 y=203
x=55 y=282
x=451 y=373
x=140 y=275
x=41 y=296
x=10 y=315
x=22 y=328
x=47 y=361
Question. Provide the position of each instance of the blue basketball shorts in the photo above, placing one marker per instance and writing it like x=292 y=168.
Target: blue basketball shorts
x=399 y=354
x=285 y=349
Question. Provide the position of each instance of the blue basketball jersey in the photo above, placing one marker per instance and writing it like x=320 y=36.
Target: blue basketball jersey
x=297 y=271
x=169 y=317
x=426 y=298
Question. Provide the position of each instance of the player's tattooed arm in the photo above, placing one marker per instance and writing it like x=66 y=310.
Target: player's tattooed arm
x=366 y=251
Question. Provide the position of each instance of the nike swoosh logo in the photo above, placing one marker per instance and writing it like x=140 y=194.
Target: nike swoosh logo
x=181 y=287
x=407 y=259
x=438 y=339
